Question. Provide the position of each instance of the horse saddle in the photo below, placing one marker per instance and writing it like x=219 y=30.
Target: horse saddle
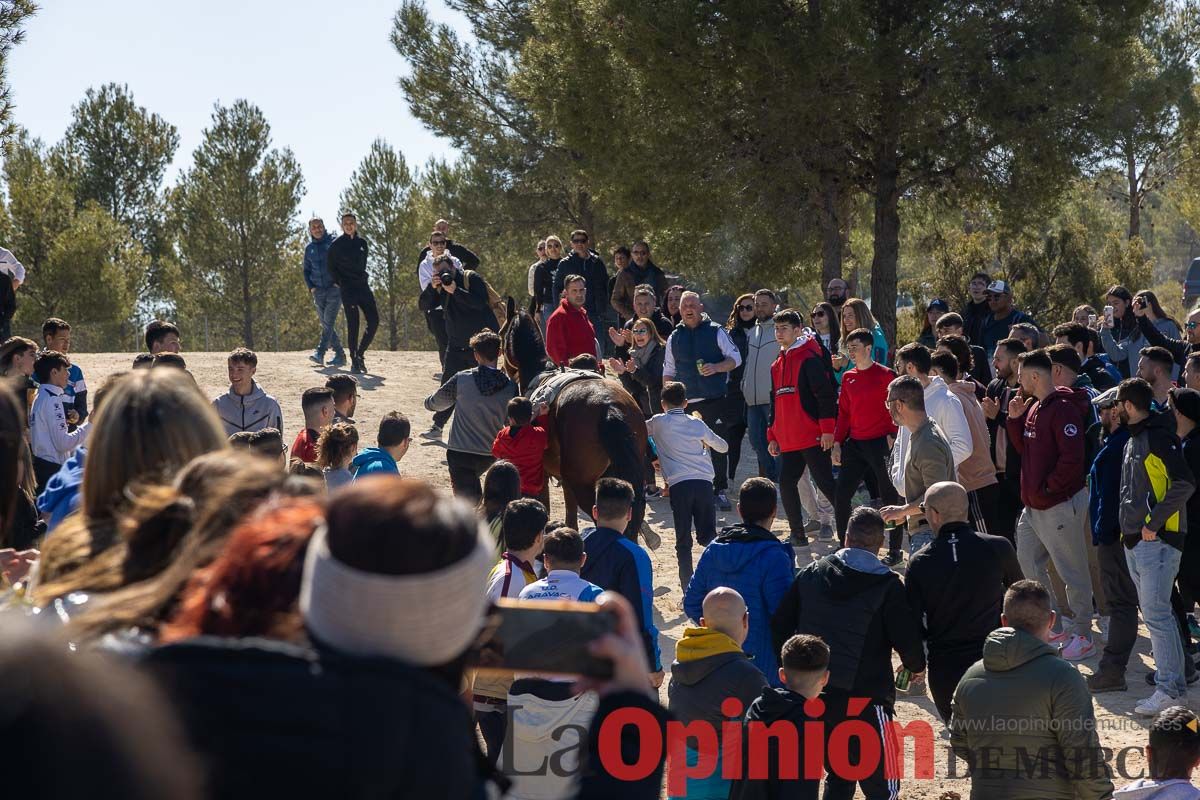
x=551 y=384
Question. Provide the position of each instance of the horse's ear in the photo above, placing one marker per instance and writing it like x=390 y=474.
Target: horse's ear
x=512 y=307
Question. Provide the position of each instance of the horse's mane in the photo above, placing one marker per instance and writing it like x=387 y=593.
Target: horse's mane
x=524 y=342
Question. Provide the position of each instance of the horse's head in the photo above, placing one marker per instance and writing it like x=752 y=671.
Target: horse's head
x=524 y=350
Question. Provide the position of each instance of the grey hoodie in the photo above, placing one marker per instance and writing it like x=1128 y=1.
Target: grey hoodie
x=252 y=412
x=480 y=398
x=1149 y=789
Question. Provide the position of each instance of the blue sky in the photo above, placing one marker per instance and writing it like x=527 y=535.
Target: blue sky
x=323 y=73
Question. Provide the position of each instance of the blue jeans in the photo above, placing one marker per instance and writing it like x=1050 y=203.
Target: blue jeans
x=757 y=420
x=1153 y=567
x=918 y=539
x=328 y=301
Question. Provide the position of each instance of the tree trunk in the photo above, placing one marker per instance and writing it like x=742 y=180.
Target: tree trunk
x=247 y=309
x=829 y=215
x=1135 y=197
x=887 y=243
x=392 y=318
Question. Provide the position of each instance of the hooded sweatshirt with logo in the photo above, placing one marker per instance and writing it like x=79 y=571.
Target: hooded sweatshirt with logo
x=1156 y=482
x=753 y=562
x=249 y=412
x=1049 y=439
x=804 y=400
x=1025 y=716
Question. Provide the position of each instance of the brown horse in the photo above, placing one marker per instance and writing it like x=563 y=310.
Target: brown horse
x=596 y=428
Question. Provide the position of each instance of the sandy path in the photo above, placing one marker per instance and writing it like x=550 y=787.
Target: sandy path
x=400 y=381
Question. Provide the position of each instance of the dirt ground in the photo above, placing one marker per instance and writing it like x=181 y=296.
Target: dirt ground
x=400 y=381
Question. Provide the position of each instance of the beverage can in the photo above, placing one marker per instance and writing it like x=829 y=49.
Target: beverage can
x=699 y=364
x=903 y=679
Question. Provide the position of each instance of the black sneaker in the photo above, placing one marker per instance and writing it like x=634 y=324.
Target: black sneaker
x=893 y=558
x=799 y=540
x=357 y=365
x=1106 y=681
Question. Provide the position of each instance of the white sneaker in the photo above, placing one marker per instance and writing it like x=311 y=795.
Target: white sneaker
x=435 y=432
x=1155 y=703
x=1078 y=648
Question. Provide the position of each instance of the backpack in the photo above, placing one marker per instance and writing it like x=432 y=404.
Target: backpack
x=495 y=301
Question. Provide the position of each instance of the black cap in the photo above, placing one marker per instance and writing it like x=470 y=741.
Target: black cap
x=1187 y=401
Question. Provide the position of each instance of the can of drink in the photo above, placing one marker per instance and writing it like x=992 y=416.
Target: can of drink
x=903 y=679
x=700 y=365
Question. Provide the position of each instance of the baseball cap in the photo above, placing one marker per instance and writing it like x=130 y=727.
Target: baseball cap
x=1188 y=403
x=938 y=304
x=998 y=287
x=1106 y=399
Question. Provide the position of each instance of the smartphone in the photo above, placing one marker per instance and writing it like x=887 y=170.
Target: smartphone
x=543 y=636
x=1091 y=320
x=1108 y=316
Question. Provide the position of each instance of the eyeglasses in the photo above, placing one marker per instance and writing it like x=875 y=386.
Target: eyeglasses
x=746 y=308
x=641 y=331
x=579 y=241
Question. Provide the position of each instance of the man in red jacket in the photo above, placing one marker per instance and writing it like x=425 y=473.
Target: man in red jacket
x=569 y=332
x=864 y=433
x=1046 y=427
x=803 y=411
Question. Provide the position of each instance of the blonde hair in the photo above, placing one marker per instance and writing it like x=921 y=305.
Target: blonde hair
x=336 y=443
x=152 y=423
x=862 y=313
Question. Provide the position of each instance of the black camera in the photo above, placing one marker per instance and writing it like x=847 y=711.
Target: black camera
x=446 y=276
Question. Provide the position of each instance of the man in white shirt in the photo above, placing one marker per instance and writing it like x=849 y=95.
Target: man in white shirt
x=940 y=404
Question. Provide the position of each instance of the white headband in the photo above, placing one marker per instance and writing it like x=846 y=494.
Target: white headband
x=424 y=619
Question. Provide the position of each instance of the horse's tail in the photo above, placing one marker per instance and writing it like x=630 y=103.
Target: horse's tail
x=626 y=462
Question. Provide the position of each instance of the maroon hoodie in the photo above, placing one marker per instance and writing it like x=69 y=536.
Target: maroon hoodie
x=1049 y=439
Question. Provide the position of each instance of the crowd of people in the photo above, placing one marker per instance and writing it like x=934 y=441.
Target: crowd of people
x=1044 y=475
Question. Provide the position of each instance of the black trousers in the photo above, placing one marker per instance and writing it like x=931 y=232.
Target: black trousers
x=354 y=300
x=1008 y=508
x=945 y=671
x=43 y=471
x=714 y=412
x=456 y=360
x=876 y=786
x=436 y=322
x=861 y=458
x=1122 y=607
x=792 y=466
x=983 y=505
x=692 y=503
x=465 y=471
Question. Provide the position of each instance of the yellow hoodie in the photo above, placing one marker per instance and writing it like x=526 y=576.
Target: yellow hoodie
x=698 y=643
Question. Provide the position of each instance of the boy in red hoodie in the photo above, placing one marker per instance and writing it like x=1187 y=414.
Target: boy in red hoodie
x=524 y=445
x=803 y=416
x=569 y=332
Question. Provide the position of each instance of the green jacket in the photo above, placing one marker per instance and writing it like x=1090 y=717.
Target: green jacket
x=1156 y=482
x=1023 y=720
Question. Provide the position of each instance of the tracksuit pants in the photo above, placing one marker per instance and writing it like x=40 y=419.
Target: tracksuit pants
x=692 y=502
x=792 y=466
x=861 y=457
x=353 y=301
x=1057 y=534
x=878 y=785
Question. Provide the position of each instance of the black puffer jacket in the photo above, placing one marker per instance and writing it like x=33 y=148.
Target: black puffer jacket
x=857 y=606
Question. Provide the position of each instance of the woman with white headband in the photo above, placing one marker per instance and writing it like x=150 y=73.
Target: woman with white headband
x=392 y=597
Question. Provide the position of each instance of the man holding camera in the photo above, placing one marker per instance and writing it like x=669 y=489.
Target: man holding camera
x=463 y=297
x=440 y=242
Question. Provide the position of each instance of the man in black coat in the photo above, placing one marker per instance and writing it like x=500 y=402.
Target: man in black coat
x=587 y=264
x=433 y=318
x=347 y=261
x=466 y=311
x=856 y=605
x=955 y=587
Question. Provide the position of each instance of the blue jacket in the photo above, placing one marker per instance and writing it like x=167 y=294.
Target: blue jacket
x=618 y=565
x=371 y=460
x=316 y=271
x=689 y=345
x=1104 y=488
x=61 y=496
x=750 y=560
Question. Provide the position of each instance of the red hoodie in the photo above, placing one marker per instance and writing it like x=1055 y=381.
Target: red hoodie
x=1049 y=439
x=569 y=333
x=862 y=405
x=803 y=397
x=525 y=447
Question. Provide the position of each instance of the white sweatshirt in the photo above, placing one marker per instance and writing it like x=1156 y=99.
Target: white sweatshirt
x=946 y=410
x=48 y=426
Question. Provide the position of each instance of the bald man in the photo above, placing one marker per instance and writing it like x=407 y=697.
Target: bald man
x=955 y=587
x=710 y=667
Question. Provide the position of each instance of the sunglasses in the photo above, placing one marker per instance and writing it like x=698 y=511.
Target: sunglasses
x=1191 y=326
x=745 y=308
x=579 y=241
x=555 y=246
x=641 y=331
x=820 y=314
